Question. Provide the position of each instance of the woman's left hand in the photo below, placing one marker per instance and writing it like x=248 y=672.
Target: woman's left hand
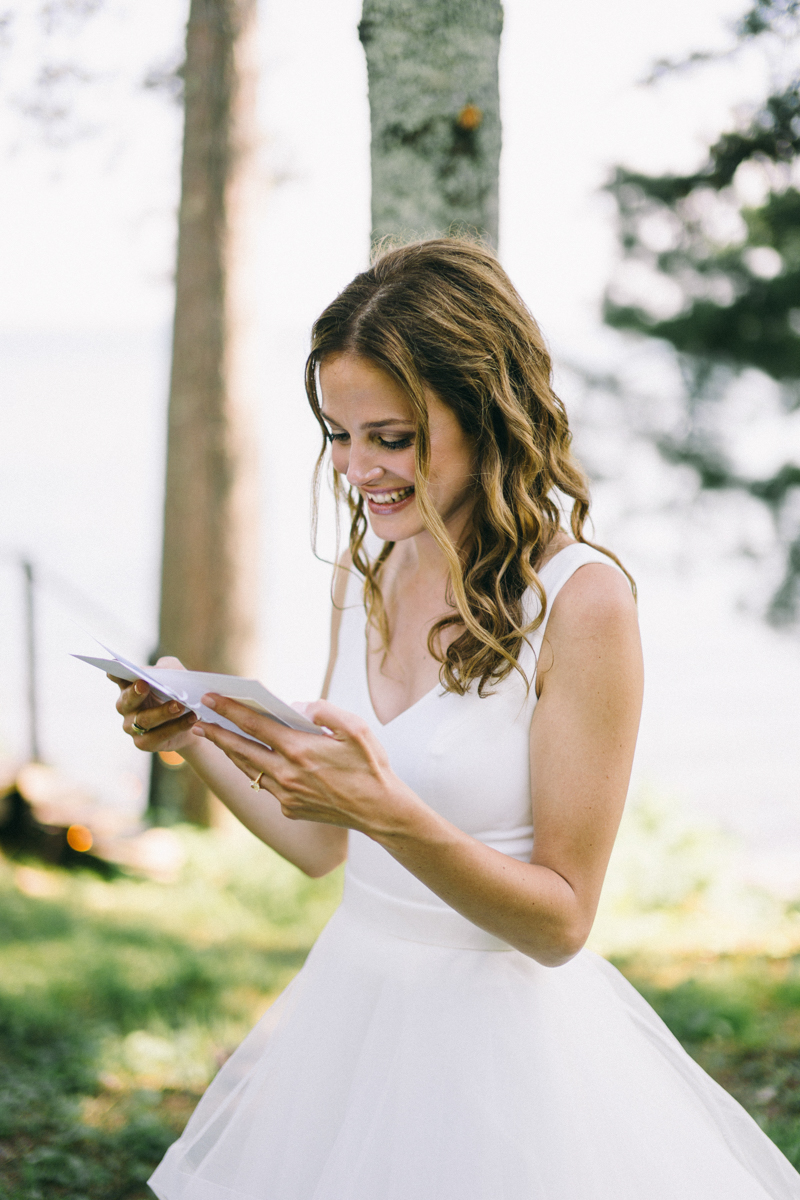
x=344 y=779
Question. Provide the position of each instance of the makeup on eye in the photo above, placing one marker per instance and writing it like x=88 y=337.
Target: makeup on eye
x=399 y=443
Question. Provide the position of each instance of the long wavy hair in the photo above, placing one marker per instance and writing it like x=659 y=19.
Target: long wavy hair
x=442 y=313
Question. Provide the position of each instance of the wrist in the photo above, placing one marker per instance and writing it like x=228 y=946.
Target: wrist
x=406 y=818
x=195 y=750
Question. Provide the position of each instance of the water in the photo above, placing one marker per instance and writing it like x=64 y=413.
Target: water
x=84 y=317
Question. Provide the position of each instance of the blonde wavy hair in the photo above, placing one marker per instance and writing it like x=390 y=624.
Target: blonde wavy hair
x=442 y=313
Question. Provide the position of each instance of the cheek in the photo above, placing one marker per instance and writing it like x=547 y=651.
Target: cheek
x=457 y=464
x=340 y=457
x=404 y=464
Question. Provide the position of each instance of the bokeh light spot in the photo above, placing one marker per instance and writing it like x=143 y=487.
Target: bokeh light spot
x=470 y=116
x=79 y=838
x=171 y=758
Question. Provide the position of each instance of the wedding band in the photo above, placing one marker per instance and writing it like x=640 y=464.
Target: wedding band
x=256 y=784
x=137 y=728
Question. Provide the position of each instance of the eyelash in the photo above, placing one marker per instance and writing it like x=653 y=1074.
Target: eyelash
x=400 y=444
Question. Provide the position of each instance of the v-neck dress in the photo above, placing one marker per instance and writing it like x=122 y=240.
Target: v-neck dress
x=418 y=1057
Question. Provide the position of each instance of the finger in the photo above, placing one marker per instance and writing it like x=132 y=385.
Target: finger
x=174 y=664
x=339 y=721
x=252 y=758
x=132 y=697
x=258 y=754
x=154 y=739
x=269 y=731
x=154 y=718
x=267 y=781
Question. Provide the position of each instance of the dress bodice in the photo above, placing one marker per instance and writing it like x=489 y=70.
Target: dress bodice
x=403 y=1062
x=467 y=757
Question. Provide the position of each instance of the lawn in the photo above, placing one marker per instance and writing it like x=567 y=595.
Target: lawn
x=120 y=998
x=738 y=1015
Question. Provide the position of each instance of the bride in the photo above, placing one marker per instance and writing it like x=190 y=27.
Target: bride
x=449 y=1038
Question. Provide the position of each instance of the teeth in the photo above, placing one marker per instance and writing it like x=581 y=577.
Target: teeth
x=390 y=497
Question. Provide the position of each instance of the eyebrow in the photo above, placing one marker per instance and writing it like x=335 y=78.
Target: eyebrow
x=373 y=424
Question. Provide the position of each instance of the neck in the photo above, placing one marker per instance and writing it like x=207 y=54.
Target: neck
x=422 y=557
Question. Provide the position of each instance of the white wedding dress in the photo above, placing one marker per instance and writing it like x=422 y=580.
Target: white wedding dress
x=416 y=1057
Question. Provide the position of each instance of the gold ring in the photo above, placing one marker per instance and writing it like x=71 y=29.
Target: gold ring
x=256 y=784
x=137 y=728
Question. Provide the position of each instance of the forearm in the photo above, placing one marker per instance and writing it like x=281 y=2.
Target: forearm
x=530 y=906
x=313 y=847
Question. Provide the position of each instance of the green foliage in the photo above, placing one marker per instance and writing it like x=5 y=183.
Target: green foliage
x=730 y=314
x=74 y=1161
x=738 y=1016
x=785 y=1133
x=734 y=274
x=769 y=16
x=697 y=1012
x=118 y=1000
x=38 y=1036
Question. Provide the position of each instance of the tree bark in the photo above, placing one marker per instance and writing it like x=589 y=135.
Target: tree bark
x=435 y=114
x=208 y=569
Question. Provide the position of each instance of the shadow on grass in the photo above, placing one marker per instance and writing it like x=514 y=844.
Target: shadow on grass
x=52 y=1039
x=739 y=1017
x=118 y=1001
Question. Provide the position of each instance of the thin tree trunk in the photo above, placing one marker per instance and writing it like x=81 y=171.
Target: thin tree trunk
x=208 y=570
x=435 y=113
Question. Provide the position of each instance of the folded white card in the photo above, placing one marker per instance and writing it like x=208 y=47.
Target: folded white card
x=187 y=687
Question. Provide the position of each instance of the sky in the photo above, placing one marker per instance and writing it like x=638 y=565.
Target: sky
x=87 y=235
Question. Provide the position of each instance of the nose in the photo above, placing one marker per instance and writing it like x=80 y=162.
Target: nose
x=360 y=473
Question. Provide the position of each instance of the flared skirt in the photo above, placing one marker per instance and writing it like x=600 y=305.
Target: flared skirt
x=395 y=1070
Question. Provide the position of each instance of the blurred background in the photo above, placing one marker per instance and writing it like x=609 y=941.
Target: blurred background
x=91 y=128
x=661 y=257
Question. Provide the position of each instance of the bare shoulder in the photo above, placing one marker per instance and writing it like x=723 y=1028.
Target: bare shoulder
x=593 y=625
x=596 y=597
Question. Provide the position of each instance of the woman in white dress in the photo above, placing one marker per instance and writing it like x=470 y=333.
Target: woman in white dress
x=449 y=1038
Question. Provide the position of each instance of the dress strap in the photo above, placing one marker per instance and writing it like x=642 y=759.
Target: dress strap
x=562 y=566
x=555 y=573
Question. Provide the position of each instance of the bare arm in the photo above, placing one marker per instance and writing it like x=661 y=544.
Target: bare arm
x=582 y=739
x=583 y=736
x=313 y=847
x=341 y=575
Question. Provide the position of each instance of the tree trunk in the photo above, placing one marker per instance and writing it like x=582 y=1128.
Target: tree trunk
x=208 y=571
x=435 y=113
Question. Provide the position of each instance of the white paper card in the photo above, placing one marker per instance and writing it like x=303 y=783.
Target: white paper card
x=187 y=687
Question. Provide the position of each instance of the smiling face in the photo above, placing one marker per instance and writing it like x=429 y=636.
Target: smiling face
x=373 y=432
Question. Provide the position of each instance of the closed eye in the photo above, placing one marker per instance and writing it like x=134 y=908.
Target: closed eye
x=388 y=444
x=400 y=444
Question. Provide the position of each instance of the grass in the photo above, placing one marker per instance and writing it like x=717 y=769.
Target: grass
x=120 y=998
x=738 y=1015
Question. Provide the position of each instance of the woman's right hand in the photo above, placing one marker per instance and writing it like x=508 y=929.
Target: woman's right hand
x=166 y=726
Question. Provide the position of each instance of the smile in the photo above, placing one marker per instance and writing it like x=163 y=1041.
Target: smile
x=389 y=501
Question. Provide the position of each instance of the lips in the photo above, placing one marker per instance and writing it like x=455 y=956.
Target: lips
x=390 y=500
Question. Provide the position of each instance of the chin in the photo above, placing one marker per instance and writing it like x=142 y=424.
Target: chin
x=394 y=529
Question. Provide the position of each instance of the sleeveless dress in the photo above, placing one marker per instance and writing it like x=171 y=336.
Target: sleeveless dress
x=417 y=1057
